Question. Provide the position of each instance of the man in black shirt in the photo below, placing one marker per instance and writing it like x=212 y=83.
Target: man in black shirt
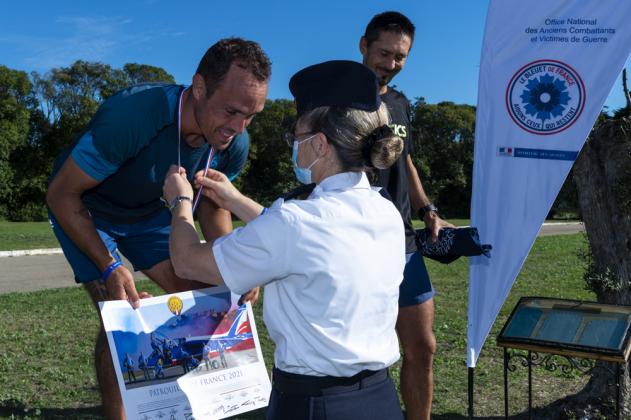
x=385 y=47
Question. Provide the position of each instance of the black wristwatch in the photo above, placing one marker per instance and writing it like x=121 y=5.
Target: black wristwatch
x=423 y=211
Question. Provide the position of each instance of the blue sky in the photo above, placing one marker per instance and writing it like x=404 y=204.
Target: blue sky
x=443 y=64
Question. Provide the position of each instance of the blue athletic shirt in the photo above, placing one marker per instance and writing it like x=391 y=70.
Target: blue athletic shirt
x=129 y=145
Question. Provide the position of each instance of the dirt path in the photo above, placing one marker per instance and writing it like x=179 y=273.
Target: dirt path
x=29 y=273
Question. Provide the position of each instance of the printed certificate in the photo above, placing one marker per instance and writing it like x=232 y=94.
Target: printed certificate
x=187 y=355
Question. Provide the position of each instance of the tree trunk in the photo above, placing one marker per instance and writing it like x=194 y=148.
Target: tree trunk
x=603 y=178
x=625 y=89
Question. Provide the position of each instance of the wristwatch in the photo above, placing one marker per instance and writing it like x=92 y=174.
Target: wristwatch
x=177 y=200
x=423 y=211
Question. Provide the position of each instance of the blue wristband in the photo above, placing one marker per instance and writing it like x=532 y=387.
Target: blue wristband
x=263 y=211
x=113 y=266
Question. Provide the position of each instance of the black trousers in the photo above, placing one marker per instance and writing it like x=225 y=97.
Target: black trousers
x=369 y=395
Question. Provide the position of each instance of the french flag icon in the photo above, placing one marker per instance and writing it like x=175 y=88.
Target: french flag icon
x=505 y=151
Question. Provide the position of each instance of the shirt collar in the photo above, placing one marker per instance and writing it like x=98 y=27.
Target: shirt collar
x=340 y=182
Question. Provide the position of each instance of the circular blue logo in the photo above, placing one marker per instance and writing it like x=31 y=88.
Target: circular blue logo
x=545 y=97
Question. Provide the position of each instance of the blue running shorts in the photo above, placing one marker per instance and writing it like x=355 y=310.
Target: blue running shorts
x=416 y=287
x=144 y=244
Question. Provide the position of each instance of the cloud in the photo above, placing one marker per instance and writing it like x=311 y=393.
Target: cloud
x=86 y=38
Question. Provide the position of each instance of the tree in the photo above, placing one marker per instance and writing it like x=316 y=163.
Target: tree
x=69 y=96
x=75 y=92
x=626 y=110
x=57 y=106
x=566 y=203
x=603 y=179
x=269 y=172
x=80 y=88
x=143 y=73
x=443 y=153
x=15 y=101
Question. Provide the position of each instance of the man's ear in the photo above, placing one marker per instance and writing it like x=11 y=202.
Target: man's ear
x=363 y=46
x=199 y=87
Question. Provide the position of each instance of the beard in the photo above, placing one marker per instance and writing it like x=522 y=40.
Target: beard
x=385 y=78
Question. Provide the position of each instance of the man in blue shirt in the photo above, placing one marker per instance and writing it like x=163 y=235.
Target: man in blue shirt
x=104 y=194
x=222 y=355
x=207 y=356
x=129 y=366
x=142 y=364
x=157 y=370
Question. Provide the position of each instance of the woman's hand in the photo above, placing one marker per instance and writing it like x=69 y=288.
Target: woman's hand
x=251 y=296
x=218 y=188
x=176 y=184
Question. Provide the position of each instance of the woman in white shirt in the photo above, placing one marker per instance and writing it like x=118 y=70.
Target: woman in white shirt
x=331 y=264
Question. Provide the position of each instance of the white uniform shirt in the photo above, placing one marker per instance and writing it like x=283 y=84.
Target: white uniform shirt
x=332 y=266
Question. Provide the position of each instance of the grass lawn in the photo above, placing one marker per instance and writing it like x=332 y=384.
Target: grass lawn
x=34 y=235
x=552 y=269
x=46 y=343
x=28 y=235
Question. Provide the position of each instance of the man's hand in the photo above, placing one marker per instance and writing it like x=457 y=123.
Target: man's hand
x=120 y=285
x=434 y=223
x=251 y=296
x=176 y=184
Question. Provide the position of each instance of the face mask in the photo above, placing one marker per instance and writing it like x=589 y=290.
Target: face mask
x=302 y=174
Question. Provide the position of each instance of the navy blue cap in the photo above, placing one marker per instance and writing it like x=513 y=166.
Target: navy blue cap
x=339 y=83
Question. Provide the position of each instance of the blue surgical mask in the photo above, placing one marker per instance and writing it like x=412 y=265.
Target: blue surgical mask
x=302 y=174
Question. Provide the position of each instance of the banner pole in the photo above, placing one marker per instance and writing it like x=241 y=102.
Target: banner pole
x=470 y=392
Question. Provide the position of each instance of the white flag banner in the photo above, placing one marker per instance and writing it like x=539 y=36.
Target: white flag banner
x=546 y=69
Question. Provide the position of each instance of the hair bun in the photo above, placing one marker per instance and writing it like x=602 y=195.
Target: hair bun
x=372 y=138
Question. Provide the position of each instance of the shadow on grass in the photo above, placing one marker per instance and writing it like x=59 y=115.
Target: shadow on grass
x=454 y=416
x=13 y=409
x=540 y=413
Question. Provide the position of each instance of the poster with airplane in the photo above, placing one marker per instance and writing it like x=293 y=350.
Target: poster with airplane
x=192 y=354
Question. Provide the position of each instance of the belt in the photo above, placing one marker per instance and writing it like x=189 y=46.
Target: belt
x=292 y=383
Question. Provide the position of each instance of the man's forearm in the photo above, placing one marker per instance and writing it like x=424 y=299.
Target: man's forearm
x=418 y=197
x=183 y=234
x=190 y=258
x=76 y=222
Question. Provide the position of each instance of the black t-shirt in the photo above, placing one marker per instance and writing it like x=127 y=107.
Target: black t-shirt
x=395 y=178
